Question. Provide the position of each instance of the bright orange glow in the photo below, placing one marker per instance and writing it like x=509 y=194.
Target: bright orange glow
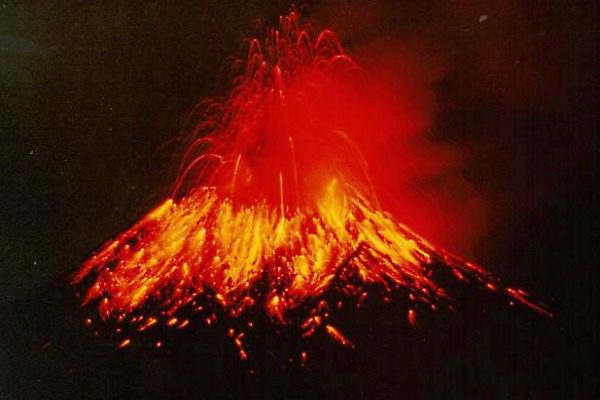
x=275 y=203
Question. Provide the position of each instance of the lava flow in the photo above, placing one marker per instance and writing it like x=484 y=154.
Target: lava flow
x=275 y=205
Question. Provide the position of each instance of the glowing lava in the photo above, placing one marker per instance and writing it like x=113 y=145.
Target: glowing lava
x=274 y=204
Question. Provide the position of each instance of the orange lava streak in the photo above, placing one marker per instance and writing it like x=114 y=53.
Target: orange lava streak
x=338 y=336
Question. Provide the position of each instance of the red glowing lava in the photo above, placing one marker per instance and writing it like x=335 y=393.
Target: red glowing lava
x=276 y=202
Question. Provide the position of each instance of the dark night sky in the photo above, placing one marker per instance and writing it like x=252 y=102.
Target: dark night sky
x=90 y=91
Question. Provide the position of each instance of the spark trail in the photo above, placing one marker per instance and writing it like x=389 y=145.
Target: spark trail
x=274 y=206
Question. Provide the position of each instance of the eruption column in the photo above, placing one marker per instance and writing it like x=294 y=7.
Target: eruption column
x=274 y=206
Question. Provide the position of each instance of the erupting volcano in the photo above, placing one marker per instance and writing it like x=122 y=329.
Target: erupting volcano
x=277 y=204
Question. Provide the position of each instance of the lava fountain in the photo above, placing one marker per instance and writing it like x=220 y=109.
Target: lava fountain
x=275 y=205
